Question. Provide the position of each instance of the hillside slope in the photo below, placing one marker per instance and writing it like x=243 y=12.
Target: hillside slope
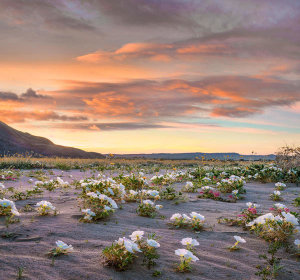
x=13 y=141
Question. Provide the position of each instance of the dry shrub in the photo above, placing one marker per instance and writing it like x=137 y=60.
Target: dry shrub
x=288 y=157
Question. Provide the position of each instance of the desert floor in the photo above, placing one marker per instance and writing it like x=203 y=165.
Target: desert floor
x=35 y=235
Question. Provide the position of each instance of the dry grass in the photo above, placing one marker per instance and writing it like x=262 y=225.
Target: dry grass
x=28 y=162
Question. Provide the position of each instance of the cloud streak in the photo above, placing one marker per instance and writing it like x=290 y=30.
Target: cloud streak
x=111 y=126
x=229 y=96
x=29 y=95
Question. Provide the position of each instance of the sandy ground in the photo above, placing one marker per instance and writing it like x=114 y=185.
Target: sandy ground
x=34 y=236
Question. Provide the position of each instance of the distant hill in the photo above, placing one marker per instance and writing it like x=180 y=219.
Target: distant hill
x=13 y=141
x=208 y=156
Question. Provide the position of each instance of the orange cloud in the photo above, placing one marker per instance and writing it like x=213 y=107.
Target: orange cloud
x=156 y=51
x=15 y=116
x=205 y=49
x=153 y=101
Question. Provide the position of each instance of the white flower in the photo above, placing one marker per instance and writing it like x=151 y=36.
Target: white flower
x=120 y=241
x=206 y=188
x=110 y=191
x=290 y=218
x=132 y=192
x=189 y=241
x=62 y=245
x=112 y=202
x=239 y=239
x=46 y=204
x=148 y=202
x=92 y=194
x=153 y=243
x=249 y=204
x=297 y=242
x=181 y=252
x=280 y=205
x=206 y=179
x=189 y=185
x=89 y=214
x=136 y=235
x=235 y=192
x=252 y=205
x=158 y=206
x=195 y=215
x=262 y=219
x=153 y=193
x=186 y=254
x=129 y=245
x=279 y=184
x=2 y=186
x=176 y=216
x=186 y=217
x=5 y=203
x=277 y=193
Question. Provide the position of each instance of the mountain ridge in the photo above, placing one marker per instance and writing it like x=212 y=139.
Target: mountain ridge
x=13 y=141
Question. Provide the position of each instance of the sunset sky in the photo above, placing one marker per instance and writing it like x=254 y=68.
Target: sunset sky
x=143 y=76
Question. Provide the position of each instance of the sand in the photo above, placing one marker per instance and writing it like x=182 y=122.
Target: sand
x=35 y=235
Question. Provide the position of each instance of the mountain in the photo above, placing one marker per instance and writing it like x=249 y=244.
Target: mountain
x=182 y=156
x=13 y=141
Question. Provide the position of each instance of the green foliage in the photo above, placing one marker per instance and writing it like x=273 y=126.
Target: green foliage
x=269 y=270
x=117 y=256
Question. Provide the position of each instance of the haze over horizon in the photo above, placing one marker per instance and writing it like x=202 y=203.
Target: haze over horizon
x=147 y=76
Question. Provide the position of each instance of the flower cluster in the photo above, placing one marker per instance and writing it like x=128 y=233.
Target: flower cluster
x=231 y=184
x=275 y=228
x=7 y=175
x=147 y=208
x=45 y=208
x=189 y=243
x=209 y=192
x=247 y=215
x=189 y=187
x=131 y=196
x=195 y=221
x=107 y=186
x=268 y=173
x=133 y=182
x=123 y=251
x=52 y=184
x=150 y=194
x=235 y=195
x=8 y=208
x=279 y=207
x=276 y=196
x=97 y=206
x=186 y=257
x=158 y=180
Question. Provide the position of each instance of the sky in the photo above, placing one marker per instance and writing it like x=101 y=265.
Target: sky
x=144 y=76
